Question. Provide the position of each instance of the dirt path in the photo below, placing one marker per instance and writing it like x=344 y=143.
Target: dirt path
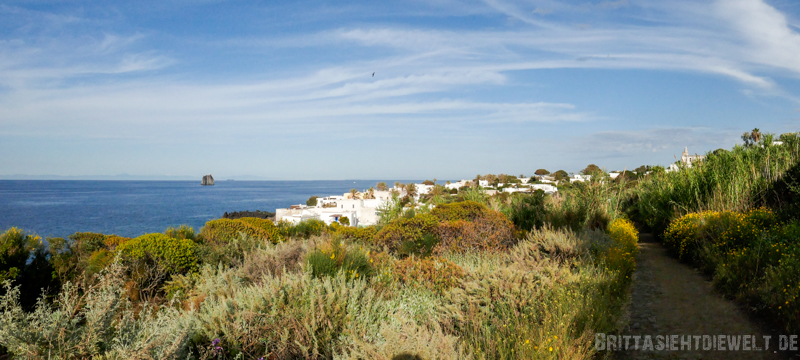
x=670 y=298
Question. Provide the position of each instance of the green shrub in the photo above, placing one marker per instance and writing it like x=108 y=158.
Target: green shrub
x=24 y=262
x=332 y=257
x=92 y=322
x=472 y=194
x=176 y=255
x=312 y=201
x=736 y=180
x=752 y=257
x=464 y=210
x=16 y=248
x=182 y=232
x=696 y=236
x=230 y=253
x=421 y=247
x=222 y=230
x=490 y=232
x=361 y=234
x=527 y=211
x=82 y=255
x=304 y=229
x=402 y=230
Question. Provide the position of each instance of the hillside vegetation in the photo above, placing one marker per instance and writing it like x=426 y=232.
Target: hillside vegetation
x=735 y=216
x=508 y=277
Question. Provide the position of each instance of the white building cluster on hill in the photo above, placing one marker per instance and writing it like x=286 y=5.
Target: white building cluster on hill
x=330 y=209
x=364 y=208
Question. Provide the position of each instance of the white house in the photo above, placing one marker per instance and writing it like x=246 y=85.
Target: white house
x=514 y=190
x=423 y=189
x=547 y=188
x=688 y=160
x=331 y=208
x=457 y=185
x=581 y=178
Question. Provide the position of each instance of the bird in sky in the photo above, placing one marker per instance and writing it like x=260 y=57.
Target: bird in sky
x=373 y=74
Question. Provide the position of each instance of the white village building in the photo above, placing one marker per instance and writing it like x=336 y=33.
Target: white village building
x=547 y=188
x=686 y=160
x=581 y=178
x=457 y=185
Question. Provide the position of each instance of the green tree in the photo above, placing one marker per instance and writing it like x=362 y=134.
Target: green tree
x=24 y=262
x=353 y=193
x=751 y=138
x=542 y=172
x=438 y=190
x=344 y=221
x=382 y=186
x=591 y=169
x=560 y=175
x=312 y=201
x=15 y=249
x=411 y=190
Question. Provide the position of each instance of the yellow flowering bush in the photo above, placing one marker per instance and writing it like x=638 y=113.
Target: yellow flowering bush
x=752 y=257
x=624 y=232
x=464 y=210
x=402 y=230
x=620 y=257
x=176 y=255
x=724 y=230
x=305 y=229
x=361 y=234
x=224 y=230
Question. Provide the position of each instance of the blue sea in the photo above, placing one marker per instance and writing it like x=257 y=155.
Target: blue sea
x=56 y=208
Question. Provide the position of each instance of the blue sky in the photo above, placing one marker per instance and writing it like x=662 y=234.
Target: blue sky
x=284 y=90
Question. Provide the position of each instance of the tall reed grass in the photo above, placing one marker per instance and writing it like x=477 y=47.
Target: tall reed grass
x=735 y=180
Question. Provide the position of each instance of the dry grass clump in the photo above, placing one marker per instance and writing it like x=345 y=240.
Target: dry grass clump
x=275 y=260
x=434 y=273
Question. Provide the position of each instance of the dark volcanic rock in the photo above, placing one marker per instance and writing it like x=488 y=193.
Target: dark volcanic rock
x=256 y=214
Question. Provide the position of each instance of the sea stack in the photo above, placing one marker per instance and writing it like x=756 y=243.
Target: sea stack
x=207 y=180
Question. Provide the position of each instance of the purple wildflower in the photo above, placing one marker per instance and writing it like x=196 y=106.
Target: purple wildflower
x=217 y=349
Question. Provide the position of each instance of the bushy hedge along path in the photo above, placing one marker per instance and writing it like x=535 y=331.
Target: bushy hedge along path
x=669 y=297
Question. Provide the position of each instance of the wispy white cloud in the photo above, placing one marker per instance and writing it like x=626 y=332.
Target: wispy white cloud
x=747 y=40
x=627 y=144
x=114 y=84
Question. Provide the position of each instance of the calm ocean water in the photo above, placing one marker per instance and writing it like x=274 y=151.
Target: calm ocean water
x=132 y=208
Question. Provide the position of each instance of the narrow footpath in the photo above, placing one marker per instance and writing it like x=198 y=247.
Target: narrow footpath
x=671 y=298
